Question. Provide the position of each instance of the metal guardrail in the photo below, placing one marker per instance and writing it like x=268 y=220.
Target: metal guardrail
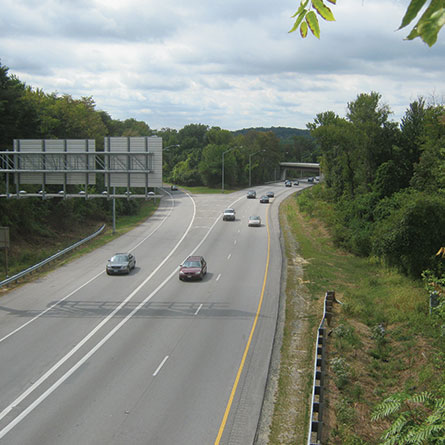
x=31 y=269
x=317 y=402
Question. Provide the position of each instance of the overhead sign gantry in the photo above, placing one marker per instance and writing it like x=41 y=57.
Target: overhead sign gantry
x=125 y=162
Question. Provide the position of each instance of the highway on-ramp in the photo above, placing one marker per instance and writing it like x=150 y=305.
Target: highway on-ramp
x=145 y=358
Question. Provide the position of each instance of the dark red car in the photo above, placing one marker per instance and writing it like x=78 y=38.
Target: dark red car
x=193 y=268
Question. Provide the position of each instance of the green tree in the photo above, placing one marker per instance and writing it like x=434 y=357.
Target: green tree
x=218 y=137
x=132 y=127
x=210 y=167
x=193 y=137
x=429 y=172
x=66 y=118
x=186 y=172
x=268 y=161
x=18 y=118
x=171 y=152
x=389 y=179
x=354 y=225
x=338 y=140
x=409 y=231
x=408 y=150
x=376 y=135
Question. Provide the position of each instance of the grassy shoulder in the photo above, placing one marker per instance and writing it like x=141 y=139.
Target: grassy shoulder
x=25 y=254
x=382 y=339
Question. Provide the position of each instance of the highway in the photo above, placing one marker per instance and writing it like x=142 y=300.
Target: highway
x=88 y=358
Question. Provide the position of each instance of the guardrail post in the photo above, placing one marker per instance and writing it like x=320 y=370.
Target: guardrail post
x=316 y=420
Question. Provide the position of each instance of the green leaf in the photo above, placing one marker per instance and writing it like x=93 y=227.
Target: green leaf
x=298 y=21
x=430 y=28
x=323 y=10
x=334 y=2
x=413 y=34
x=429 y=25
x=413 y=9
x=301 y=8
x=312 y=21
x=422 y=397
x=303 y=30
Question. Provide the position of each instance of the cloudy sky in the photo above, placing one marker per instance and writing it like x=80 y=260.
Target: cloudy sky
x=226 y=63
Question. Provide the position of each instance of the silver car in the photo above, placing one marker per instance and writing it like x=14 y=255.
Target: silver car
x=121 y=263
x=254 y=221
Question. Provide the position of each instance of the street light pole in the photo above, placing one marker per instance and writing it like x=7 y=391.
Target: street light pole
x=250 y=165
x=222 y=173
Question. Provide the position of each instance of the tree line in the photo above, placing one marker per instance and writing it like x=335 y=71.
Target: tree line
x=383 y=196
x=192 y=156
x=383 y=188
x=385 y=181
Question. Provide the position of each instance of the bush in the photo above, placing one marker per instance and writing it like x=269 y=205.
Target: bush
x=409 y=237
x=354 y=225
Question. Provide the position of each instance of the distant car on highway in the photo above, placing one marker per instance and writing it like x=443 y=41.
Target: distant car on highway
x=264 y=199
x=193 y=268
x=251 y=194
x=270 y=194
x=173 y=188
x=297 y=182
x=121 y=263
x=229 y=215
x=310 y=179
x=288 y=183
x=254 y=221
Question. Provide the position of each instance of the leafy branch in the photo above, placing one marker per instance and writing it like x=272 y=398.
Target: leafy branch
x=429 y=24
x=419 y=419
x=307 y=18
x=427 y=27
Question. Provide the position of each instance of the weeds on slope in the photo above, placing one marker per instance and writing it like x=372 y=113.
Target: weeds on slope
x=382 y=339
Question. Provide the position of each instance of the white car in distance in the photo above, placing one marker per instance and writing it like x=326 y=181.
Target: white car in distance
x=229 y=215
x=254 y=221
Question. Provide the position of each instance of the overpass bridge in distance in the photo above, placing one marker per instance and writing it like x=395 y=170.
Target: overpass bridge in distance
x=299 y=168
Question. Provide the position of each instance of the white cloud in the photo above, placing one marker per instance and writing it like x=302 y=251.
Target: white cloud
x=225 y=63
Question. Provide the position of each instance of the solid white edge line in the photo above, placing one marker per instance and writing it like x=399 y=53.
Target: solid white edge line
x=86 y=283
x=96 y=329
x=62 y=379
x=160 y=366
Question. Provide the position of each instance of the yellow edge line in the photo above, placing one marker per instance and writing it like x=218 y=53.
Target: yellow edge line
x=246 y=350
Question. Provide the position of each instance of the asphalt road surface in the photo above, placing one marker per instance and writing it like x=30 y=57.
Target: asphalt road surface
x=87 y=358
